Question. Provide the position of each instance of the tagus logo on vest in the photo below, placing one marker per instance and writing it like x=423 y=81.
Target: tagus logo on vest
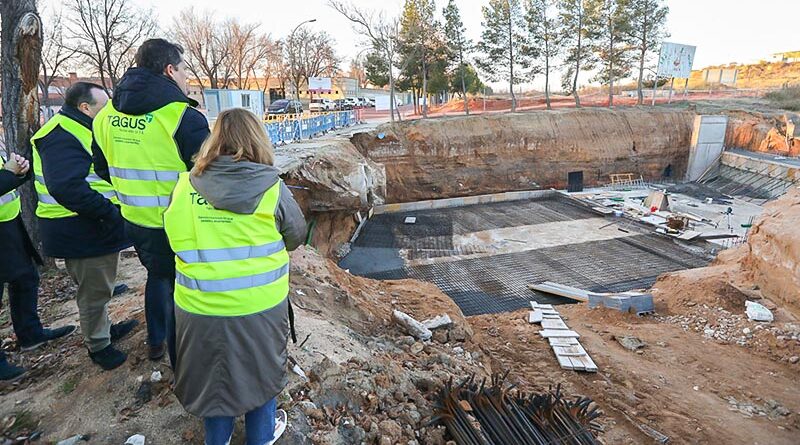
x=131 y=123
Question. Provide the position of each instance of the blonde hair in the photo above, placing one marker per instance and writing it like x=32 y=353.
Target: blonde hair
x=238 y=133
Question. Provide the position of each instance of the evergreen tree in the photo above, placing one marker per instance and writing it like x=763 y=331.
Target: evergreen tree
x=577 y=38
x=457 y=45
x=611 y=24
x=544 y=37
x=377 y=69
x=647 y=30
x=421 y=45
x=502 y=42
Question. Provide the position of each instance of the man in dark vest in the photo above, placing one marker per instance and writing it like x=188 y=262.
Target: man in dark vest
x=18 y=268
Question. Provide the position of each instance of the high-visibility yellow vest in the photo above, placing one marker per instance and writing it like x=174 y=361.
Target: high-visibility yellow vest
x=227 y=264
x=143 y=159
x=48 y=207
x=9 y=203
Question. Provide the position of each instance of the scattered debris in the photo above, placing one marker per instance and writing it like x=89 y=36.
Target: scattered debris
x=441 y=321
x=475 y=413
x=156 y=376
x=410 y=220
x=636 y=302
x=757 y=312
x=631 y=343
x=74 y=440
x=411 y=325
x=136 y=439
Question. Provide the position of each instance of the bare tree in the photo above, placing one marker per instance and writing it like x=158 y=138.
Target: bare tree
x=381 y=34
x=206 y=44
x=107 y=33
x=56 y=53
x=358 y=71
x=310 y=54
x=249 y=49
x=20 y=53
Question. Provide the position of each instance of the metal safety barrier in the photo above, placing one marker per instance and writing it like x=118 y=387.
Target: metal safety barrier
x=297 y=127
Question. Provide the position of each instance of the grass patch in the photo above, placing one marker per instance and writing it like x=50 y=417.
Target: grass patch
x=24 y=422
x=785 y=98
x=70 y=384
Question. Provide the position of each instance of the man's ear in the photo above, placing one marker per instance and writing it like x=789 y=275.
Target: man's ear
x=169 y=70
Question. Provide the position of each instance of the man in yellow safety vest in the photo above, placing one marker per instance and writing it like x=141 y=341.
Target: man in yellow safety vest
x=79 y=218
x=145 y=137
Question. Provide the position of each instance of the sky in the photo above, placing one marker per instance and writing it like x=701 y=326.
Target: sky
x=724 y=31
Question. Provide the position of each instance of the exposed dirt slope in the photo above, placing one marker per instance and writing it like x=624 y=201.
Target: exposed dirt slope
x=773 y=255
x=459 y=156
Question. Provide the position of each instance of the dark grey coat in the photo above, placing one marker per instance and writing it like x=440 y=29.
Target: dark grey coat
x=228 y=366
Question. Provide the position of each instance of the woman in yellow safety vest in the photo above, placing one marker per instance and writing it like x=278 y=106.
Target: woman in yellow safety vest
x=231 y=222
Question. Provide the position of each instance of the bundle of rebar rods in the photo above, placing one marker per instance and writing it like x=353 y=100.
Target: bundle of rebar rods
x=477 y=414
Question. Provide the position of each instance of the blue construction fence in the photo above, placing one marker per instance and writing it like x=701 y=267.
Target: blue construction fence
x=288 y=130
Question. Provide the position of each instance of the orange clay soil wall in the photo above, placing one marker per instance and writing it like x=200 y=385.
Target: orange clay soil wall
x=470 y=155
x=773 y=257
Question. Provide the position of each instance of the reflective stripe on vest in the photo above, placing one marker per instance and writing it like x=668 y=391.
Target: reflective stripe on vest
x=9 y=203
x=143 y=159
x=227 y=264
x=48 y=206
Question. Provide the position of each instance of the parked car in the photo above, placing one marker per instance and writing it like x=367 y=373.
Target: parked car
x=363 y=102
x=371 y=102
x=321 y=105
x=343 y=105
x=285 y=106
x=352 y=101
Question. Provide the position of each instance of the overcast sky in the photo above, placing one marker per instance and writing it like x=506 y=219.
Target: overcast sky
x=723 y=30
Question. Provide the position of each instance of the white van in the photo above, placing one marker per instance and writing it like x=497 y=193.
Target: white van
x=321 y=105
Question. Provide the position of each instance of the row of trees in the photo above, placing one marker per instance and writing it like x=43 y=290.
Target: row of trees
x=428 y=54
x=523 y=39
x=101 y=37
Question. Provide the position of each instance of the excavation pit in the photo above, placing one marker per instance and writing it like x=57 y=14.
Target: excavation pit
x=484 y=256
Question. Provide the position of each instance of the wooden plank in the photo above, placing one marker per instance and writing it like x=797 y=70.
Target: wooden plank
x=547 y=333
x=548 y=323
x=561 y=290
x=575 y=350
x=551 y=316
x=577 y=364
x=534 y=317
x=689 y=235
x=588 y=364
x=564 y=362
x=535 y=305
x=548 y=311
x=563 y=341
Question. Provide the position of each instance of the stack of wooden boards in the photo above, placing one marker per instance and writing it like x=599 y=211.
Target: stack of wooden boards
x=565 y=344
x=639 y=303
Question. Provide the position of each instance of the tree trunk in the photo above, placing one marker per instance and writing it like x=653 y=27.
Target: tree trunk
x=511 y=65
x=463 y=82
x=391 y=89
x=424 y=84
x=21 y=49
x=578 y=62
x=547 y=74
x=611 y=67
x=640 y=96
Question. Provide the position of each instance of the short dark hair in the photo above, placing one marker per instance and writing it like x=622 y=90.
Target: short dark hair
x=155 y=54
x=79 y=93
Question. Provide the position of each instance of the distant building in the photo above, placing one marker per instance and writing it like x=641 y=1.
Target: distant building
x=788 y=57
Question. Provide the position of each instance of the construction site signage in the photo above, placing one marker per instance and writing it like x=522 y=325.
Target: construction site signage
x=320 y=84
x=675 y=60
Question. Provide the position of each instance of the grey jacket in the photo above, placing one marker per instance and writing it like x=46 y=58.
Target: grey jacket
x=227 y=366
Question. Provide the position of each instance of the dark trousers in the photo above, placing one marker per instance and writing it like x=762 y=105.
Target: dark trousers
x=159 y=306
x=23 y=297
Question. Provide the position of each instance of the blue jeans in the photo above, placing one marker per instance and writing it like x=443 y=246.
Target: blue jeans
x=259 y=425
x=23 y=297
x=159 y=305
